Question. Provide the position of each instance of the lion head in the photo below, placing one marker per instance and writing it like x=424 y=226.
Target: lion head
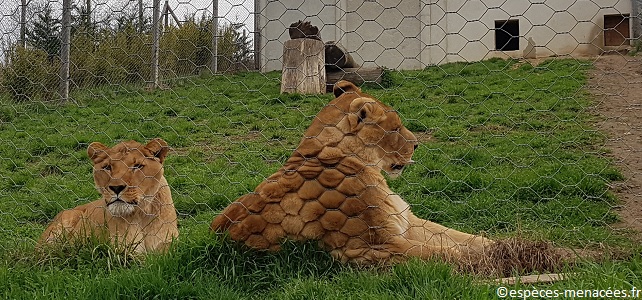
x=128 y=175
x=357 y=124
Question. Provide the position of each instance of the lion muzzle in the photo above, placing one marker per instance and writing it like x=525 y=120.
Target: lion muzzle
x=118 y=206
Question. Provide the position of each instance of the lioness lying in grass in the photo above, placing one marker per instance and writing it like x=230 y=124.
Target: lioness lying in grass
x=135 y=210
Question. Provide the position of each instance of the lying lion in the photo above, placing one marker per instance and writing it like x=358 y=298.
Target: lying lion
x=136 y=208
x=331 y=189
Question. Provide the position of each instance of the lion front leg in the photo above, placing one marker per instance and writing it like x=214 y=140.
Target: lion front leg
x=441 y=236
x=63 y=225
x=395 y=249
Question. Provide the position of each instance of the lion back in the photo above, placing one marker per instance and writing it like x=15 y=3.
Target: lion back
x=307 y=199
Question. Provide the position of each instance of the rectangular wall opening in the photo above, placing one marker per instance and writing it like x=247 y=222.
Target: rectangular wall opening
x=616 y=30
x=507 y=35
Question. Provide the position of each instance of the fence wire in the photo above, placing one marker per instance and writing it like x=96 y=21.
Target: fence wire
x=525 y=112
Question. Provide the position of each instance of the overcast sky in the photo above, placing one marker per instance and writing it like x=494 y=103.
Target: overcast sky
x=237 y=11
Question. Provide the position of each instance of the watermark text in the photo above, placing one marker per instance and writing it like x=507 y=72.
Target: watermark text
x=504 y=292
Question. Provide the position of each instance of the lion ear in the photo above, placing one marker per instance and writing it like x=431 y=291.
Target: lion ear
x=95 y=149
x=344 y=86
x=363 y=110
x=159 y=148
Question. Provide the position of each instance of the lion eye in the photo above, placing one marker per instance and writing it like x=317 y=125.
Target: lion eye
x=137 y=167
x=107 y=168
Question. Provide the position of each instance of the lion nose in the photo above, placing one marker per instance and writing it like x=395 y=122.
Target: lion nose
x=117 y=188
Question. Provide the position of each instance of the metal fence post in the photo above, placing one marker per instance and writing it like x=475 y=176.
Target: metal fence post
x=636 y=20
x=214 y=59
x=23 y=22
x=257 y=35
x=64 y=51
x=141 y=17
x=155 y=43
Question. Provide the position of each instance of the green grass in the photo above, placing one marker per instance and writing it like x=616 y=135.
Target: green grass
x=513 y=153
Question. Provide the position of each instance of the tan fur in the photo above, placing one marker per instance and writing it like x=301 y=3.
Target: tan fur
x=135 y=211
x=331 y=189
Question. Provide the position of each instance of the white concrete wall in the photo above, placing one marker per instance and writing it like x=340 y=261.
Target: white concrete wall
x=407 y=34
x=385 y=33
x=562 y=27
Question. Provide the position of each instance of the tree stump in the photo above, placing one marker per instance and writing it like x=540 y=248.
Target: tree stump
x=303 y=67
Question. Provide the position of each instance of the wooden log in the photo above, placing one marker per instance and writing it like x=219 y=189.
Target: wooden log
x=355 y=75
x=304 y=30
x=337 y=57
x=531 y=279
x=303 y=67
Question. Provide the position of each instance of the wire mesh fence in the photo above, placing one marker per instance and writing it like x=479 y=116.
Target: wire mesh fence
x=524 y=113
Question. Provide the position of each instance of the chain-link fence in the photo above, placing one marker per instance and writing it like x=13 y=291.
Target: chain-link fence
x=525 y=112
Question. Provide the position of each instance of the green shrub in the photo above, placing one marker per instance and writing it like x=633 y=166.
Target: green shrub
x=30 y=75
x=186 y=50
x=107 y=57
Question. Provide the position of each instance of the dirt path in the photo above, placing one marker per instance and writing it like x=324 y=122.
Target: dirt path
x=617 y=84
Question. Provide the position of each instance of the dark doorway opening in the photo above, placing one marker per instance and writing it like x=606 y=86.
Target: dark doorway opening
x=616 y=30
x=507 y=35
